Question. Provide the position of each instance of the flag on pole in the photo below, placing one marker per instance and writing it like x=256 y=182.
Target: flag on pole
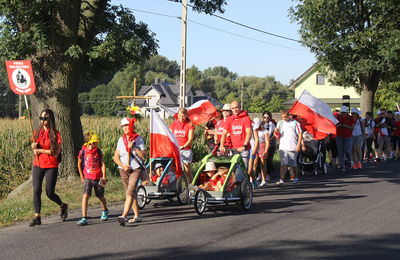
x=163 y=143
x=317 y=115
x=199 y=113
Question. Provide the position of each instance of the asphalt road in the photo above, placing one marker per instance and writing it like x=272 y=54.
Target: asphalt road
x=352 y=216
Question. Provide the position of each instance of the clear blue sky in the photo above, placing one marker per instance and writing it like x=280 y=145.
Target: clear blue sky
x=251 y=53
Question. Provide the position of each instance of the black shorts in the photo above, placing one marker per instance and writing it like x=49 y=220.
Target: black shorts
x=89 y=184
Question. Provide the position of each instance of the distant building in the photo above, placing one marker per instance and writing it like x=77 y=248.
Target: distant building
x=167 y=94
x=320 y=87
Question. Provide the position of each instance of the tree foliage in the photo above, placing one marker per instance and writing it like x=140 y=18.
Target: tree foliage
x=356 y=40
x=68 y=40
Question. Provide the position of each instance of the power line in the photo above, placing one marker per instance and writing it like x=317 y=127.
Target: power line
x=246 y=37
x=154 y=13
x=253 y=28
x=235 y=34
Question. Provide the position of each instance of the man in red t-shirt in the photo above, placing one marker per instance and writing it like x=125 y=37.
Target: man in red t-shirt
x=344 y=136
x=183 y=130
x=239 y=127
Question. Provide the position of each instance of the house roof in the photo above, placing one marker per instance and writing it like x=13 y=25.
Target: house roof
x=169 y=93
x=301 y=77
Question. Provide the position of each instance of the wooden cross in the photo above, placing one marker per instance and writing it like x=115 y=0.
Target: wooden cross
x=134 y=97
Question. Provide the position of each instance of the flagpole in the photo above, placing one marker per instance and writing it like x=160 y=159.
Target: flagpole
x=151 y=139
x=30 y=123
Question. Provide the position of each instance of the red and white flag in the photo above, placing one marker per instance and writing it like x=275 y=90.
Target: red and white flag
x=317 y=115
x=199 y=113
x=163 y=142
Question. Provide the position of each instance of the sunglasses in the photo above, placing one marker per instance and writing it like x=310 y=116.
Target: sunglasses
x=43 y=118
x=266 y=117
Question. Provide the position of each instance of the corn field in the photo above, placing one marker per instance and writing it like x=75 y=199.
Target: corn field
x=16 y=155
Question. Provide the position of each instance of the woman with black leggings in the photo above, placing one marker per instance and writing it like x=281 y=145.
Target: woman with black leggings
x=46 y=148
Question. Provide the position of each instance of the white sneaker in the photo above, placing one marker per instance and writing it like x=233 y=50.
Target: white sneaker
x=279 y=183
x=263 y=183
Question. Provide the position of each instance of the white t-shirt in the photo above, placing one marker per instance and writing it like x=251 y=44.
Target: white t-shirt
x=270 y=128
x=261 y=135
x=123 y=154
x=357 y=131
x=369 y=127
x=289 y=135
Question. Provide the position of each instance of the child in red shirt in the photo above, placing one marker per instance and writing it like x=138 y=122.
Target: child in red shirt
x=92 y=170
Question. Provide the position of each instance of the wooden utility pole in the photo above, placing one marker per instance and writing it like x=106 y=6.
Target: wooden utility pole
x=241 y=95
x=182 y=84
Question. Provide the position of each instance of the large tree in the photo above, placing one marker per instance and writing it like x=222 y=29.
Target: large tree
x=357 y=40
x=68 y=40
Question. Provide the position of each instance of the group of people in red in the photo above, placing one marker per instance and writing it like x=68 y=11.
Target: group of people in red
x=355 y=135
x=256 y=140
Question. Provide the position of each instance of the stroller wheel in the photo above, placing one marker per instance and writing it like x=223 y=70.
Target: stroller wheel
x=200 y=202
x=141 y=196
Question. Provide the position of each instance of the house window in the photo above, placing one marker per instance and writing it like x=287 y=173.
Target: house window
x=320 y=79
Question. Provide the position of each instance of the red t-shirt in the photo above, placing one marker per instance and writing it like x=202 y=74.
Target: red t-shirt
x=93 y=158
x=165 y=180
x=181 y=132
x=344 y=131
x=396 y=132
x=220 y=128
x=45 y=160
x=236 y=126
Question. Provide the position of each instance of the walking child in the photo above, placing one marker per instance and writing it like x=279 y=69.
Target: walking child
x=93 y=175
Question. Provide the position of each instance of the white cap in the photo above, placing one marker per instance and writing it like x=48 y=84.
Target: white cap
x=397 y=114
x=210 y=166
x=158 y=165
x=379 y=112
x=354 y=110
x=226 y=107
x=343 y=109
x=124 y=121
x=257 y=123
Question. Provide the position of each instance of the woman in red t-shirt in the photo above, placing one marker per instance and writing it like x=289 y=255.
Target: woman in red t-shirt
x=183 y=130
x=46 y=148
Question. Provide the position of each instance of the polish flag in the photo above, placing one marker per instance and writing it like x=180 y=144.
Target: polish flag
x=199 y=113
x=163 y=143
x=316 y=114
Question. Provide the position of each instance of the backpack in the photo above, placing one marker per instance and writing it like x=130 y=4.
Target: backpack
x=83 y=157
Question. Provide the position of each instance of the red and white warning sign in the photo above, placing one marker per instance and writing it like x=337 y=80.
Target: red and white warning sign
x=20 y=76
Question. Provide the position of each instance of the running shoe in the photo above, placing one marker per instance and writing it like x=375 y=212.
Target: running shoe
x=359 y=165
x=122 y=220
x=263 y=183
x=82 y=222
x=295 y=181
x=279 y=183
x=104 y=215
x=64 y=212
x=36 y=222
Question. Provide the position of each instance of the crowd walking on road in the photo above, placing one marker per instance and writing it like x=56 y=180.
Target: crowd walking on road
x=357 y=141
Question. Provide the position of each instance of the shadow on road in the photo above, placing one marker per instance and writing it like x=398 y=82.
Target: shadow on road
x=349 y=247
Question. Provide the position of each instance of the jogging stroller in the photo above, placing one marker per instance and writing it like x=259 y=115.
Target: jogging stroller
x=313 y=160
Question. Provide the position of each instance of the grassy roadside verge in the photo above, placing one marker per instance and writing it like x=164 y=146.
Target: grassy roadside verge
x=20 y=208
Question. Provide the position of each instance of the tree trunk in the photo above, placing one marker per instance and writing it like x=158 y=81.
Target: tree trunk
x=369 y=85
x=61 y=96
x=367 y=100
